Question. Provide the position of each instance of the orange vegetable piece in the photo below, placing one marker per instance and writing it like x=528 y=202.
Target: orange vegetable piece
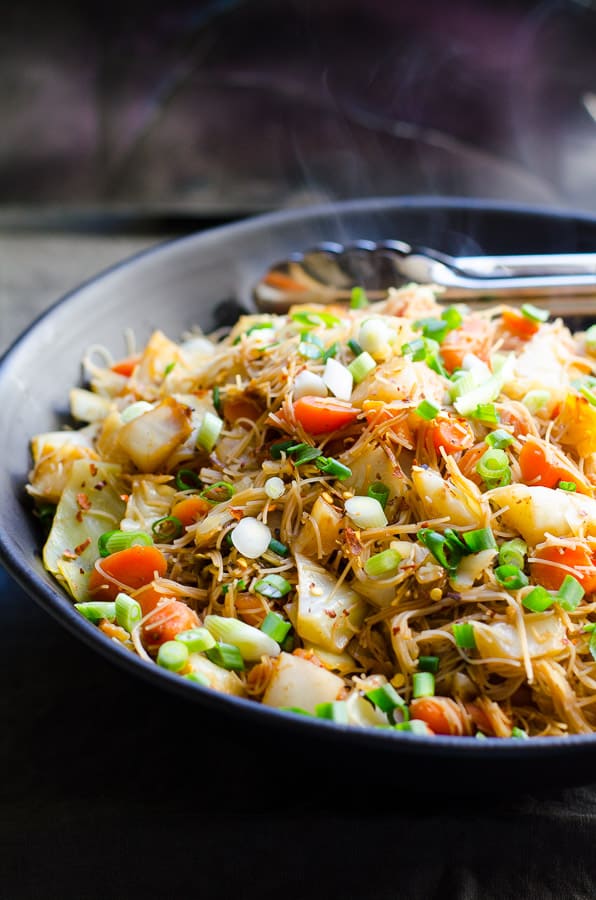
x=149 y=597
x=472 y=337
x=451 y=434
x=126 y=366
x=166 y=622
x=538 y=469
x=321 y=415
x=131 y=568
x=441 y=714
x=191 y=509
x=519 y=325
x=577 y=558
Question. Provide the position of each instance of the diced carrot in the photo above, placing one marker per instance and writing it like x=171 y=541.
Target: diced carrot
x=576 y=558
x=519 y=325
x=165 y=622
x=441 y=714
x=321 y=415
x=191 y=509
x=241 y=408
x=126 y=366
x=451 y=434
x=472 y=337
x=133 y=567
x=250 y=609
x=283 y=282
x=514 y=419
x=538 y=469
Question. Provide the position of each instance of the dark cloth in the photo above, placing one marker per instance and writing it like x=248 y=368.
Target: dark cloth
x=112 y=788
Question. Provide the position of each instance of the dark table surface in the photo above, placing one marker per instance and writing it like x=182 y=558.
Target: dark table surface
x=111 y=788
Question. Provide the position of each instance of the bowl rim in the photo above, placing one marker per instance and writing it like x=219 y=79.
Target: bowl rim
x=58 y=605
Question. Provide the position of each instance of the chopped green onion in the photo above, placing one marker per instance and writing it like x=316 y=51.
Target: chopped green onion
x=187 y=480
x=218 y=492
x=416 y=349
x=535 y=400
x=428 y=664
x=216 y=398
x=463 y=632
x=538 y=599
x=276 y=627
x=384 y=563
x=331 y=466
x=567 y=486
x=362 y=366
x=169 y=368
x=95 y=611
x=305 y=454
x=280 y=447
x=435 y=329
x=128 y=612
x=258 y=326
x=358 y=298
x=494 y=469
x=499 y=439
x=113 y=541
x=588 y=394
x=423 y=684
x=486 y=412
x=355 y=347
x=452 y=316
x=570 y=593
x=198 y=678
x=479 y=736
x=379 y=491
x=277 y=547
x=445 y=550
x=167 y=529
x=590 y=339
x=226 y=655
x=416 y=726
x=519 y=733
x=196 y=640
x=479 y=539
x=273 y=586
x=592 y=645
x=288 y=643
x=511 y=577
x=330 y=351
x=209 y=431
x=295 y=709
x=336 y=711
x=463 y=384
x=513 y=553
x=314 y=319
x=535 y=313
x=172 y=656
x=427 y=410
x=308 y=350
x=239 y=585
x=386 y=698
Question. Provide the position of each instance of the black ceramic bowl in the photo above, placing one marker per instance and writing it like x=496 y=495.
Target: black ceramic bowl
x=191 y=281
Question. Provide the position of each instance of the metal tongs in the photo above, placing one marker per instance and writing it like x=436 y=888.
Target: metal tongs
x=328 y=272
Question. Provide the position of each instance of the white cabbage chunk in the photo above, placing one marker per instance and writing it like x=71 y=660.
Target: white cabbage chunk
x=458 y=499
x=88 y=406
x=297 y=682
x=545 y=634
x=90 y=504
x=343 y=663
x=150 y=438
x=374 y=465
x=471 y=568
x=149 y=499
x=54 y=453
x=326 y=614
x=219 y=679
x=533 y=511
x=320 y=531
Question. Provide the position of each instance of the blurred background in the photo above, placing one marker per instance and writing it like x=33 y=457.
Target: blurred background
x=191 y=110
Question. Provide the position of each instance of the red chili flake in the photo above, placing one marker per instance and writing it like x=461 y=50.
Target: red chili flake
x=125 y=497
x=79 y=516
x=82 y=546
x=331 y=613
x=83 y=501
x=68 y=554
x=236 y=513
x=99 y=486
x=93 y=469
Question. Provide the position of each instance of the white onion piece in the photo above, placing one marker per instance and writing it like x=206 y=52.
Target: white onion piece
x=376 y=338
x=135 y=410
x=307 y=384
x=251 y=537
x=366 y=512
x=338 y=379
x=274 y=488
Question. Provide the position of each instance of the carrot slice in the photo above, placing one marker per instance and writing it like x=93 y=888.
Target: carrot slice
x=165 y=623
x=149 y=597
x=126 y=366
x=451 y=434
x=473 y=337
x=191 y=509
x=576 y=558
x=519 y=325
x=321 y=415
x=133 y=567
x=538 y=469
x=435 y=712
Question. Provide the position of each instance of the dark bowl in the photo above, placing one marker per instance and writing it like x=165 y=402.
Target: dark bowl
x=200 y=280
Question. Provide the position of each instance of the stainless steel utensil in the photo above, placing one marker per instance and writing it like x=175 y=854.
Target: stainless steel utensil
x=328 y=271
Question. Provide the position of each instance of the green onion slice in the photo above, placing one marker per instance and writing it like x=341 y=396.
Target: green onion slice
x=538 y=599
x=276 y=626
x=428 y=664
x=513 y=553
x=379 y=491
x=216 y=398
x=218 y=492
x=384 y=563
x=486 y=412
x=336 y=711
x=570 y=593
x=416 y=349
x=279 y=548
x=172 y=656
x=95 y=611
x=196 y=640
x=416 y=726
x=128 y=612
x=358 y=298
x=494 y=469
x=511 y=577
x=355 y=347
x=273 y=586
x=333 y=467
x=386 y=698
x=187 y=480
x=113 y=541
x=315 y=319
x=479 y=539
x=362 y=366
x=423 y=685
x=446 y=548
x=535 y=313
x=227 y=656
x=567 y=486
x=463 y=632
x=452 y=316
x=167 y=529
x=280 y=447
x=519 y=733
x=499 y=439
x=427 y=410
